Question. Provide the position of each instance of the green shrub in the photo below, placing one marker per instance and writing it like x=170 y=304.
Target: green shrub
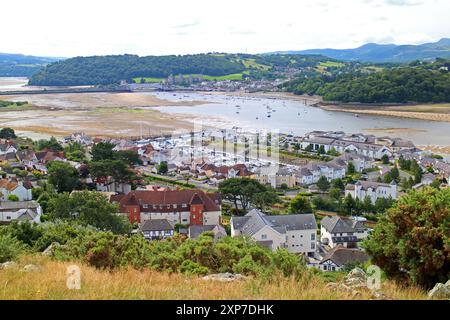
x=191 y=267
x=10 y=248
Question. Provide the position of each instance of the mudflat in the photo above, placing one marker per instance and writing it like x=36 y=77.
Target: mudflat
x=431 y=112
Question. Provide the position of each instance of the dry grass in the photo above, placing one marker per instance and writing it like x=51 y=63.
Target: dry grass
x=50 y=283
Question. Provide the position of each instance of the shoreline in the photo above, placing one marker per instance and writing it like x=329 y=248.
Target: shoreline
x=427 y=112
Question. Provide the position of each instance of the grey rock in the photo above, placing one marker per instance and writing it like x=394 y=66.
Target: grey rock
x=50 y=248
x=31 y=268
x=224 y=277
x=440 y=291
x=8 y=265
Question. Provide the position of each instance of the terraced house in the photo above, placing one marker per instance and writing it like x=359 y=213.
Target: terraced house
x=373 y=190
x=188 y=207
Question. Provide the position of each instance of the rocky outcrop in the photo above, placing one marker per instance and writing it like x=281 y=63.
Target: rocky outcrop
x=354 y=283
x=440 y=291
x=31 y=268
x=224 y=277
x=50 y=248
x=8 y=265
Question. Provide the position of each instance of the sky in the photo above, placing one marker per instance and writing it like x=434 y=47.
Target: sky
x=68 y=28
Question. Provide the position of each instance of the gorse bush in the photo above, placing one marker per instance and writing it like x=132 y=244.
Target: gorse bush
x=10 y=248
x=201 y=256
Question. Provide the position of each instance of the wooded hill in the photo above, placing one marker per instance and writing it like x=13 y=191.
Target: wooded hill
x=104 y=70
x=416 y=82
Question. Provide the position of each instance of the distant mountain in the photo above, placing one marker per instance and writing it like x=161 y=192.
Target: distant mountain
x=373 y=52
x=18 y=65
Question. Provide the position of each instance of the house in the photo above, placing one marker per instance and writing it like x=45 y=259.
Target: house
x=295 y=232
x=7 y=147
x=276 y=177
x=21 y=189
x=360 y=162
x=189 y=207
x=20 y=211
x=109 y=185
x=335 y=230
x=195 y=231
x=304 y=177
x=45 y=157
x=314 y=170
x=157 y=229
x=316 y=142
x=374 y=190
x=340 y=256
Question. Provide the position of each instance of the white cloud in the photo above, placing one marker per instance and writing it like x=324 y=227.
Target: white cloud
x=88 y=27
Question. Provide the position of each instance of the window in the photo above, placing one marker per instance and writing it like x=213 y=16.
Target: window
x=313 y=236
x=313 y=246
x=264 y=236
x=145 y=206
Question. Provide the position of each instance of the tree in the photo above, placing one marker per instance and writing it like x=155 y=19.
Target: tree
x=262 y=200
x=163 y=167
x=436 y=183
x=241 y=191
x=395 y=174
x=385 y=159
x=411 y=242
x=52 y=144
x=63 y=176
x=348 y=205
x=13 y=197
x=130 y=157
x=7 y=133
x=321 y=150
x=115 y=169
x=338 y=183
x=300 y=204
x=75 y=152
x=102 y=151
x=335 y=193
x=323 y=184
x=88 y=208
x=350 y=168
x=382 y=204
x=367 y=204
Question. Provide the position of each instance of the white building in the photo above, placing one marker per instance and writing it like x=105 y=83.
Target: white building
x=339 y=231
x=20 y=189
x=312 y=172
x=338 y=257
x=295 y=232
x=374 y=190
x=20 y=211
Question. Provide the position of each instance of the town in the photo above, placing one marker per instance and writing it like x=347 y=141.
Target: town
x=317 y=195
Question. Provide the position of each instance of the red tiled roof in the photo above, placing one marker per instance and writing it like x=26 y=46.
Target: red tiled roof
x=168 y=198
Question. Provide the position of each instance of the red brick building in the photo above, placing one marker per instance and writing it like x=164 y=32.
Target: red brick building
x=189 y=207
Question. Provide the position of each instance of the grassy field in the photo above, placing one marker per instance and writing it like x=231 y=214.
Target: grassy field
x=49 y=283
x=251 y=63
x=148 y=79
x=331 y=64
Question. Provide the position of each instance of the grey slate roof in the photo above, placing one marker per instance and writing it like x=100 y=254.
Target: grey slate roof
x=341 y=256
x=255 y=220
x=156 y=225
x=195 y=231
x=337 y=224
